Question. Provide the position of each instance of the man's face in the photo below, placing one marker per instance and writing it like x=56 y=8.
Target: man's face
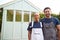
x=47 y=12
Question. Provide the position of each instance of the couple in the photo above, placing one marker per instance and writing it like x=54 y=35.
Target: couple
x=47 y=28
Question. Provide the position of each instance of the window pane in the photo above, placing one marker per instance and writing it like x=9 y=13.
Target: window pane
x=32 y=16
x=9 y=15
x=26 y=17
x=18 y=16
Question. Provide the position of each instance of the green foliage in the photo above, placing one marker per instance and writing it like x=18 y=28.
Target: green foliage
x=58 y=16
x=41 y=16
x=54 y=15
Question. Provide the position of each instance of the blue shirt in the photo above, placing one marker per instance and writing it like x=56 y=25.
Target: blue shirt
x=35 y=25
x=53 y=19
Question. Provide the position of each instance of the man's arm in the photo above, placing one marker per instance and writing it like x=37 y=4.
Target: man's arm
x=29 y=35
x=58 y=27
x=58 y=31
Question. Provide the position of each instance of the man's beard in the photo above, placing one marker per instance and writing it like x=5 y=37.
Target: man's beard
x=48 y=15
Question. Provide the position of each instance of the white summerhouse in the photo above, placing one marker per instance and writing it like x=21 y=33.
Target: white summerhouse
x=16 y=17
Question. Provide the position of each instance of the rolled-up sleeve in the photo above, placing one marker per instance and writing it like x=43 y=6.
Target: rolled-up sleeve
x=29 y=27
x=57 y=22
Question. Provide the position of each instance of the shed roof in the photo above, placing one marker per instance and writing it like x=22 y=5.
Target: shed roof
x=12 y=2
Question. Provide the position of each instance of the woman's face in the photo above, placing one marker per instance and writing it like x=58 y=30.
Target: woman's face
x=36 y=16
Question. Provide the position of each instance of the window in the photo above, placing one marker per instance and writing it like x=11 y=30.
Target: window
x=26 y=17
x=32 y=16
x=18 y=15
x=9 y=15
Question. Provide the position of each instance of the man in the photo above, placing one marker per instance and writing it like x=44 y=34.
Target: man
x=51 y=26
x=35 y=29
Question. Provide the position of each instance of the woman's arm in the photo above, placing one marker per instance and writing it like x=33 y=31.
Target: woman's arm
x=29 y=35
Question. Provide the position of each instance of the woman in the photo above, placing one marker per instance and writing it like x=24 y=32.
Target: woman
x=35 y=29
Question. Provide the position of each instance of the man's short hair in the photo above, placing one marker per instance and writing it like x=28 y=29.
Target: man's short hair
x=47 y=8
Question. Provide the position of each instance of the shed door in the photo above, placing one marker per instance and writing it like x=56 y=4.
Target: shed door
x=17 y=25
x=20 y=25
x=25 y=25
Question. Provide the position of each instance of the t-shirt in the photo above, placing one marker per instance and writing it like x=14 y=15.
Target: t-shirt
x=52 y=19
x=35 y=25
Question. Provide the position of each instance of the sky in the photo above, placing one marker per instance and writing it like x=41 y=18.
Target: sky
x=53 y=4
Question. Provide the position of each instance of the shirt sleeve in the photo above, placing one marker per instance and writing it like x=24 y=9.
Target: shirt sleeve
x=57 y=21
x=29 y=27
